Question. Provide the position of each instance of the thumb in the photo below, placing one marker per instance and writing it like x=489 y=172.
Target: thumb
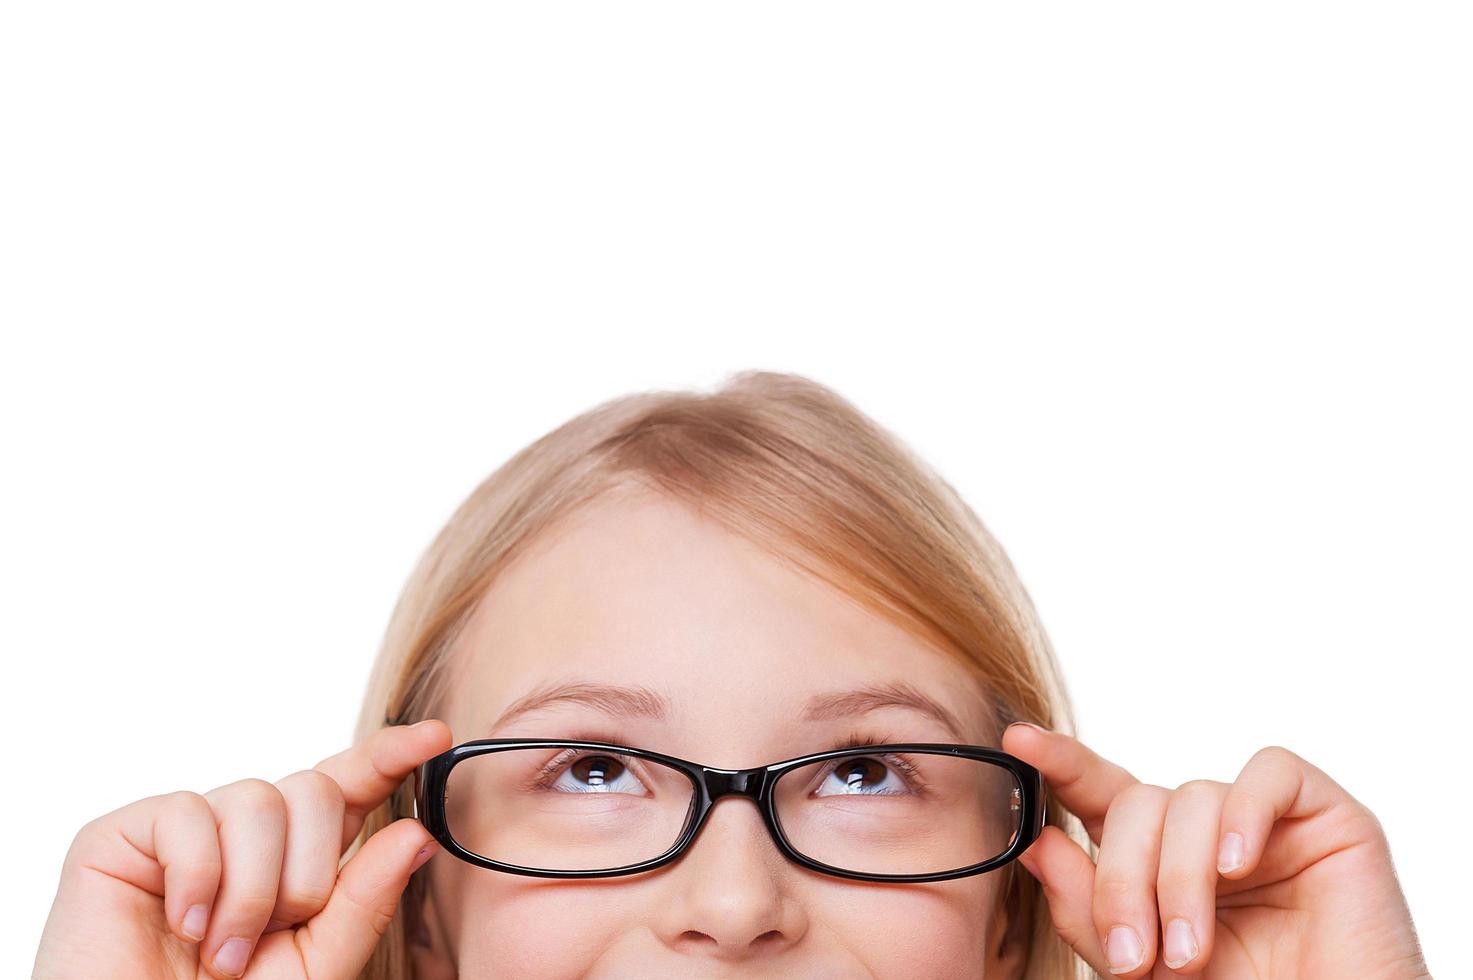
x=1067 y=875
x=337 y=941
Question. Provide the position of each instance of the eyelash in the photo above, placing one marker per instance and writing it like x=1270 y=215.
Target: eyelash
x=855 y=740
x=543 y=777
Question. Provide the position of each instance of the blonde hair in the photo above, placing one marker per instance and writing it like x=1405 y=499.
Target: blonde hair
x=798 y=470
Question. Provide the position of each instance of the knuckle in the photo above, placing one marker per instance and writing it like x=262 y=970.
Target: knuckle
x=1274 y=754
x=105 y=828
x=89 y=834
x=302 y=900
x=1148 y=792
x=186 y=800
x=318 y=784
x=1363 y=818
x=258 y=796
x=1138 y=796
x=1076 y=934
x=252 y=903
x=1198 y=787
x=93 y=827
x=1176 y=881
x=1115 y=891
x=371 y=912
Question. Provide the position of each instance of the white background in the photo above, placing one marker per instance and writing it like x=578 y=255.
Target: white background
x=1175 y=296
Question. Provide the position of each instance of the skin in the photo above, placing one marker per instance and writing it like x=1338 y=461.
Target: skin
x=736 y=641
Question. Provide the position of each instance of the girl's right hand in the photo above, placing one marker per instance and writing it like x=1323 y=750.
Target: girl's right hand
x=260 y=859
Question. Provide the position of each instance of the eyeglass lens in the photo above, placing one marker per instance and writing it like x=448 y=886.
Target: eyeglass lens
x=578 y=809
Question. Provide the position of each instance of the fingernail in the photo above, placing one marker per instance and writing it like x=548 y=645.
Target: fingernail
x=421 y=724
x=1123 y=950
x=1181 y=943
x=231 y=960
x=425 y=853
x=1030 y=725
x=195 y=921
x=1230 y=854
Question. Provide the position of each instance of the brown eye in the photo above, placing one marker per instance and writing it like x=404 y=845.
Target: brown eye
x=867 y=776
x=597 y=770
x=856 y=773
x=576 y=771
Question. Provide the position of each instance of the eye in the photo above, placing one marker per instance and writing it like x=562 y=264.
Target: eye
x=868 y=776
x=574 y=771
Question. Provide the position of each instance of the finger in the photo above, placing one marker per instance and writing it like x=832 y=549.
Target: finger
x=1067 y=874
x=166 y=845
x=338 y=941
x=314 y=825
x=1082 y=780
x=251 y=816
x=1186 y=883
x=370 y=771
x=1125 y=878
x=1275 y=783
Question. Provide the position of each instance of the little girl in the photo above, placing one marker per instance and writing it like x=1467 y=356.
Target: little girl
x=727 y=580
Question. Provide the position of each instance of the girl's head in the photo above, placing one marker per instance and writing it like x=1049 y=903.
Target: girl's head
x=693 y=573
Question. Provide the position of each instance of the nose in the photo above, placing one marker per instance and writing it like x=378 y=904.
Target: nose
x=729 y=897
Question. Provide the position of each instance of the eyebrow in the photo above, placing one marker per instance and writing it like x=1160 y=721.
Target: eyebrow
x=895 y=694
x=641 y=702
x=624 y=702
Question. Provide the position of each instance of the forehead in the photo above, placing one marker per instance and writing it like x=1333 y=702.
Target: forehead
x=639 y=589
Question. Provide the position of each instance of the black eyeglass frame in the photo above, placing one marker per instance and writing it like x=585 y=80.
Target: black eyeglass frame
x=711 y=785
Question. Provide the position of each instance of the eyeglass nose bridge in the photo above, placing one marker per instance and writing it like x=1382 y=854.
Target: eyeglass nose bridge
x=717 y=783
x=714 y=784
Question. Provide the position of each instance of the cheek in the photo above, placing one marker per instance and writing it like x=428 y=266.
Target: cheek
x=528 y=928
x=911 y=931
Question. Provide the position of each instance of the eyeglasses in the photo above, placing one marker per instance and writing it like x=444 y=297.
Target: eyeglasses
x=569 y=808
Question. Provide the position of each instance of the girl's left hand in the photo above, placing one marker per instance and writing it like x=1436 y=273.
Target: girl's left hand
x=1278 y=874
